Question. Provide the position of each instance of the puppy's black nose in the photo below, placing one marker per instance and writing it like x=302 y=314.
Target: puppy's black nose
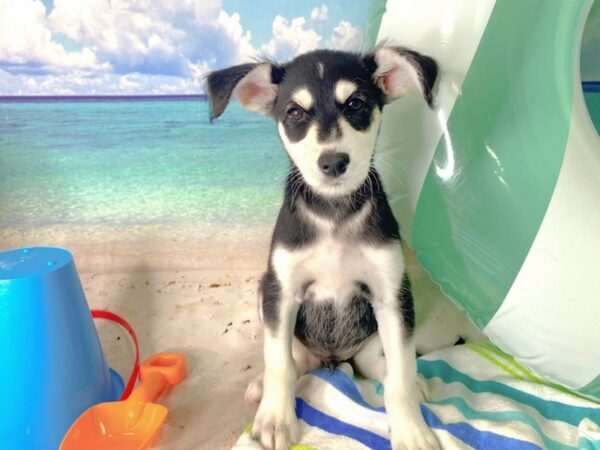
x=333 y=164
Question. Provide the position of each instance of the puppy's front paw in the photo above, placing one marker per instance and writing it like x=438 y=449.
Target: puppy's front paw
x=414 y=437
x=275 y=425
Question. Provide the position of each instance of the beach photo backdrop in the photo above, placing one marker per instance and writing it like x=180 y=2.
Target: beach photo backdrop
x=142 y=176
x=108 y=175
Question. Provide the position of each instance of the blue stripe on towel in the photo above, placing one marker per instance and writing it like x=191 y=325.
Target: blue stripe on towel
x=345 y=385
x=477 y=438
x=316 y=418
x=463 y=431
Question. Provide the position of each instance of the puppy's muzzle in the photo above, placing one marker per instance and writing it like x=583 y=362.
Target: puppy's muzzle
x=333 y=164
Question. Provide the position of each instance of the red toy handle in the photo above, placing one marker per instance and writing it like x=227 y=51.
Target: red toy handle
x=100 y=314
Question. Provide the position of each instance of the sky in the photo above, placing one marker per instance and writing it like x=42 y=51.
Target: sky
x=128 y=47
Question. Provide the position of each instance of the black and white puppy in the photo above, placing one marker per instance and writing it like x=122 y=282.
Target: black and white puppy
x=336 y=287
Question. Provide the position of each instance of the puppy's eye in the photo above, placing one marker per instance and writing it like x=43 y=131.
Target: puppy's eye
x=296 y=114
x=355 y=104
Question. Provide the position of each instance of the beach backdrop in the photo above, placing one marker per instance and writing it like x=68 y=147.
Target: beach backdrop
x=115 y=173
x=142 y=178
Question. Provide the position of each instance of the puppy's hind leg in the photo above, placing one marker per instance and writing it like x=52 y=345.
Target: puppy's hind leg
x=369 y=362
x=304 y=361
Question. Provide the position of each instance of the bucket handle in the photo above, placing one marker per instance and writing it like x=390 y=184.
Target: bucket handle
x=101 y=314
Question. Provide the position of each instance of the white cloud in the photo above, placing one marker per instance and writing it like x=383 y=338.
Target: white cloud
x=158 y=37
x=346 y=37
x=291 y=38
x=26 y=41
x=140 y=46
x=177 y=43
x=9 y=84
x=82 y=83
x=30 y=83
x=319 y=13
x=130 y=82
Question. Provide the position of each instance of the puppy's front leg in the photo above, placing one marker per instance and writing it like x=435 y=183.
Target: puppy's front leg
x=408 y=429
x=275 y=424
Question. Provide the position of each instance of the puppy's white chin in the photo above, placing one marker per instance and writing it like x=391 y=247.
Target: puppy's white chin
x=333 y=191
x=337 y=187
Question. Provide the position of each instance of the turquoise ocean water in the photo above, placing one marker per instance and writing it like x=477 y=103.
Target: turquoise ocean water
x=136 y=162
x=141 y=162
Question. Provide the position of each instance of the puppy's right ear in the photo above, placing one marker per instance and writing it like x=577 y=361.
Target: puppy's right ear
x=398 y=70
x=254 y=85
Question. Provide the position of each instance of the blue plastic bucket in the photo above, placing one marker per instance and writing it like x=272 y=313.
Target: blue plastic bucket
x=51 y=364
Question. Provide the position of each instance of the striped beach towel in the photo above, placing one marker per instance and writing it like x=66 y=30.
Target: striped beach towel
x=479 y=398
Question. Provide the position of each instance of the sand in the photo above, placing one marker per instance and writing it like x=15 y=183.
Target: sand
x=193 y=289
x=210 y=316
x=190 y=289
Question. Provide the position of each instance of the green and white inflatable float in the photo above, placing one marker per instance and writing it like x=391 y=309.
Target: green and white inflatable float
x=498 y=188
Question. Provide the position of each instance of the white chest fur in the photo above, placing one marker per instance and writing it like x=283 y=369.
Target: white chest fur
x=337 y=260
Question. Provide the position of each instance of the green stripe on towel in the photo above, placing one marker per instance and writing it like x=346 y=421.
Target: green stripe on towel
x=488 y=351
x=552 y=410
x=502 y=418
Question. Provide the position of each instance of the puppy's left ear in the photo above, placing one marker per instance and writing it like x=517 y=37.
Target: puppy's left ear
x=398 y=71
x=254 y=85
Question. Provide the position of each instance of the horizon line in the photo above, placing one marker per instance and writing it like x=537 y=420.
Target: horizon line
x=585 y=84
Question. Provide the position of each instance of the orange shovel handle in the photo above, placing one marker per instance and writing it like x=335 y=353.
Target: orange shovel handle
x=157 y=373
x=170 y=364
x=149 y=389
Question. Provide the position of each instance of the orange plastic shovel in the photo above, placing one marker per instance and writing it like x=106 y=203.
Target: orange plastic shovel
x=132 y=424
